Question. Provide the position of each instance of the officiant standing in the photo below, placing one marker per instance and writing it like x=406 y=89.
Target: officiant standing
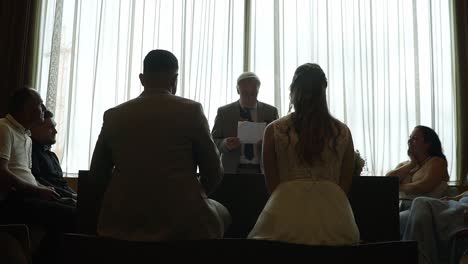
x=238 y=156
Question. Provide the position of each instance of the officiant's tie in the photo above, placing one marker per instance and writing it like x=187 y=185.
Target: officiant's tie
x=248 y=148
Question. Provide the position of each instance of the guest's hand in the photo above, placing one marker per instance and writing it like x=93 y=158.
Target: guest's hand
x=465 y=214
x=404 y=179
x=46 y=193
x=232 y=143
x=452 y=198
x=401 y=187
x=406 y=188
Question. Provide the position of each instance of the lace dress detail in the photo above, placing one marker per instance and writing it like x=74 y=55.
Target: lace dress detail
x=289 y=165
x=308 y=206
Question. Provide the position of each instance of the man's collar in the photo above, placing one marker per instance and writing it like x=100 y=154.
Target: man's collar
x=150 y=92
x=41 y=146
x=16 y=124
x=248 y=108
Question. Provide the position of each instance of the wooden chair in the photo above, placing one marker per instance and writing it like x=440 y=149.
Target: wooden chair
x=87 y=205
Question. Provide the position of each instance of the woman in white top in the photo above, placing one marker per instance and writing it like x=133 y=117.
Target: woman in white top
x=308 y=158
x=425 y=174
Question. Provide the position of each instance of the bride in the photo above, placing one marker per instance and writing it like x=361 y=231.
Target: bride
x=308 y=159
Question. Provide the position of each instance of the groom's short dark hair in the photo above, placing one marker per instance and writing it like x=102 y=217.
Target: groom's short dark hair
x=160 y=61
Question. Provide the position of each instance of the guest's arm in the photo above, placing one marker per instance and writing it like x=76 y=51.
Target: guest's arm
x=269 y=159
x=347 y=166
x=8 y=180
x=100 y=171
x=223 y=142
x=402 y=170
x=436 y=171
x=62 y=190
x=42 y=176
x=217 y=133
x=36 y=168
x=455 y=198
x=205 y=153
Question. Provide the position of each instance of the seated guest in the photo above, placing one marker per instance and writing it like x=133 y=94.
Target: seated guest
x=145 y=163
x=22 y=199
x=433 y=223
x=425 y=173
x=236 y=156
x=308 y=157
x=45 y=164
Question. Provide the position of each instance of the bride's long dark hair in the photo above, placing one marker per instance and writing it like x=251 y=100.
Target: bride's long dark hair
x=312 y=121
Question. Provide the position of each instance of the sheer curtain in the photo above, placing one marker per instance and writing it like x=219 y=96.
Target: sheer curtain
x=389 y=64
x=91 y=53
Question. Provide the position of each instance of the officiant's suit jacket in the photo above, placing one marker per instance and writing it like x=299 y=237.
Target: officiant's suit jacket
x=226 y=126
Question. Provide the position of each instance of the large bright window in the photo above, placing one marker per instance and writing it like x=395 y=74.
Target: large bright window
x=92 y=53
x=389 y=63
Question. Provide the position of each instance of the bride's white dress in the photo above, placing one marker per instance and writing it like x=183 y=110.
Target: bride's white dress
x=308 y=206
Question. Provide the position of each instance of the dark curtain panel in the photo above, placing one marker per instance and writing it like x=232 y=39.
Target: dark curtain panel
x=15 y=24
x=461 y=60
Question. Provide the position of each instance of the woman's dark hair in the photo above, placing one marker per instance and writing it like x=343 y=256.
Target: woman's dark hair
x=431 y=137
x=314 y=124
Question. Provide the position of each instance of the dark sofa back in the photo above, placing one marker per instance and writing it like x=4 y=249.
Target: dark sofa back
x=244 y=195
x=90 y=249
x=374 y=200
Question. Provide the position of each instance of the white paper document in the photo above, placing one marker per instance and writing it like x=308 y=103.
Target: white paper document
x=250 y=132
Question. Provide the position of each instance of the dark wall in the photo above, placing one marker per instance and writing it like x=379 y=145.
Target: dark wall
x=15 y=24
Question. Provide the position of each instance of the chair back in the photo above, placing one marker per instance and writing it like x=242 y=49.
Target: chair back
x=244 y=195
x=87 y=206
x=374 y=200
x=375 y=204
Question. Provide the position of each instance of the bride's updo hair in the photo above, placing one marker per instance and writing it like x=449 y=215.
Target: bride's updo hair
x=312 y=121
